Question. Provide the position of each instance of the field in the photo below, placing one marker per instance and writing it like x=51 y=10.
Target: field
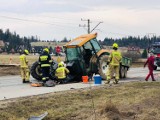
x=7 y=62
x=14 y=60
x=125 y=101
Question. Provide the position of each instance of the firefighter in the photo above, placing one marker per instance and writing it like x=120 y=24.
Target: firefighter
x=114 y=61
x=61 y=73
x=24 y=68
x=150 y=62
x=45 y=63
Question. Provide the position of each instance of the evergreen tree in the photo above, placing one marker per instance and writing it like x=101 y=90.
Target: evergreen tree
x=144 y=54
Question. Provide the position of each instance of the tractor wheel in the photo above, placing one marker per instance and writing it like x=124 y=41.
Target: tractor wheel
x=103 y=67
x=36 y=71
x=121 y=72
x=125 y=72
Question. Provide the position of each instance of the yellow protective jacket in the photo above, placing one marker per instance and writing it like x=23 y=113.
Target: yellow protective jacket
x=61 y=72
x=23 y=61
x=115 y=58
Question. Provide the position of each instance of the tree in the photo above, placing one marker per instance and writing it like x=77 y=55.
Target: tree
x=144 y=54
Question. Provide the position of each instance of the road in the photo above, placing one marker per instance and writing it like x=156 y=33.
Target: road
x=12 y=87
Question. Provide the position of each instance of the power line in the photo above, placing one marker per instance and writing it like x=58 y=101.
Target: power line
x=35 y=21
x=88 y=25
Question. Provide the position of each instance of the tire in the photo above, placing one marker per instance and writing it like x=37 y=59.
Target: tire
x=53 y=68
x=103 y=67
x=125 y=72
x=36 y=71
x=121 y=72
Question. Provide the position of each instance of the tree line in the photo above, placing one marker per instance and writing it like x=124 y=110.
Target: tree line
x=143 y=42
x=13 y=41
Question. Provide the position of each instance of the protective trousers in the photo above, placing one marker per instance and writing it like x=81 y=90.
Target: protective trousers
x=25 y=73
x=45 y=73
x=111 y=70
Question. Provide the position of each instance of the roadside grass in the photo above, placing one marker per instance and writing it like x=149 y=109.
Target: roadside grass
x=125 y=101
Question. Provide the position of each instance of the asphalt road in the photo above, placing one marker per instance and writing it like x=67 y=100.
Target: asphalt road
x=12 y=86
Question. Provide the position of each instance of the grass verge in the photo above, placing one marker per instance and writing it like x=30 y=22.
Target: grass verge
x=125 y=101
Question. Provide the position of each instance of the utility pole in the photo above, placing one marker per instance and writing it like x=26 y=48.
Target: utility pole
x=88 y=25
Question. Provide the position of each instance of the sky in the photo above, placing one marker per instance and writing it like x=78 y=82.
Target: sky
x=56 y=19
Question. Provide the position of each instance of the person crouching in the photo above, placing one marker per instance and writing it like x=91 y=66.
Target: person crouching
x=61 y=73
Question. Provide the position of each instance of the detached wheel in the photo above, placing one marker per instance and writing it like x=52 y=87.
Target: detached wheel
x=103 y=67
x=36 y=71
x=53 y=68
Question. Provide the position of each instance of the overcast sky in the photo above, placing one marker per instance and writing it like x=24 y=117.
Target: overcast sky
x=56 y=19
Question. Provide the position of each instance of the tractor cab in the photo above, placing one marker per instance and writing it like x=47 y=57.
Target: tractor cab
x=80 y=53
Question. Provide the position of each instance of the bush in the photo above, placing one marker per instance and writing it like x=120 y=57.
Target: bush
x=133 y=55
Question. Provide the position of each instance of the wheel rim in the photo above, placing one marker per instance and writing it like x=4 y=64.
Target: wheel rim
x=38 y=70
x=122 y=72
x=104 y=67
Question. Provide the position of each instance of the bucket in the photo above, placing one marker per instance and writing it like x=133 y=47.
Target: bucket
x=85 y=79
x=97 y=79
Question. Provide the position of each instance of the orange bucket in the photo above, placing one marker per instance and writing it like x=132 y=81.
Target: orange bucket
x=85 y=79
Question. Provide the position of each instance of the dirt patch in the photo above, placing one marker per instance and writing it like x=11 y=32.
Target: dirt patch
x=9 y=70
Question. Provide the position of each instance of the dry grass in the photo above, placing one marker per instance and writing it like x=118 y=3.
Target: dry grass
x=129 y=101
x=14 y=58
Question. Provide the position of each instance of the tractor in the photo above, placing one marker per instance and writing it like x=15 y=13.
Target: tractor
x=84 y=56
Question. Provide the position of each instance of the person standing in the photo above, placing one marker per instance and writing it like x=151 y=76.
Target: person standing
x=114 y=61
x=45 y=63
x=24 y=68
x=58 y=50
x=150 y=62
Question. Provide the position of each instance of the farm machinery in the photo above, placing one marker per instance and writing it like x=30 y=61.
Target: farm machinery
x=84 y=56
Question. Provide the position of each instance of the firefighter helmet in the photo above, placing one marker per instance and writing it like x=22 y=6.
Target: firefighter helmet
x=26 y=52
x=115 y=45
x=60 y=64
x=46 y=50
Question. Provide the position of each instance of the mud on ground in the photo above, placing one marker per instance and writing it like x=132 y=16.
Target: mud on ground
x=9 y=70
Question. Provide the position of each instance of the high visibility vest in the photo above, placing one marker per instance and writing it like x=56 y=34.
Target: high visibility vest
x=61 y=72
x=23 y=61
x=45 y=60
x=115 y=58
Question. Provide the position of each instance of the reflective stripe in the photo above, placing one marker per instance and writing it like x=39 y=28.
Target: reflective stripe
x=45 y=65
x=43 y=58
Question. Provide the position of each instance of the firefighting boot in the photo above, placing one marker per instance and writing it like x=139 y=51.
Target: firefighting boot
x=116 y=81
x=23 y=81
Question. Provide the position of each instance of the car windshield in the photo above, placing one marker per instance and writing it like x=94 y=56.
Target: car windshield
x=72 y=53
x=156 y=49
